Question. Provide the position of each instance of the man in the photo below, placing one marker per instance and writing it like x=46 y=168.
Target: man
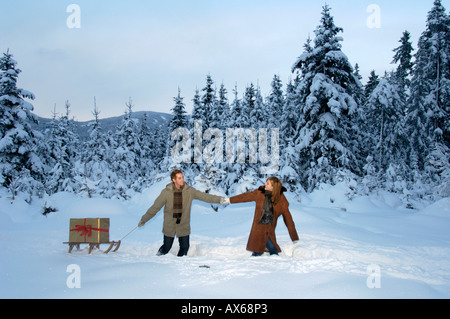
x=177 y=199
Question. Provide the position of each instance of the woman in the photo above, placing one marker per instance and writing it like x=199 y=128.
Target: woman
x=270 y=204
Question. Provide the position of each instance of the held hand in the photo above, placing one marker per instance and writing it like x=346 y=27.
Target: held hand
x=224 y=200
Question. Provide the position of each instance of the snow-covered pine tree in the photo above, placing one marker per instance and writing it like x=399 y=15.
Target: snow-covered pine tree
x=224 y=122
x=98 y=177
x=357 y=72
x=370 y=180
x=438 y=171
x=428 y=116
x=289 y=160
x=371 y=84
x=328 y=142
x=248 y=105
x=92 y=155
x=259 y=115
x=179 y=118
x=232 y=170
x=94 y=145
x=63 y=145
x=209 y=102
x=250 y=120
x=220 y=113
x=215 y=117
x=206 y=110
x=224 y=105
x=237 y=120
x=180 y=121
x=147 y=141
x=127 y=155
x=107 y=185
x=197 y=115
x=387 y=141
x=275 y=103
x=197 y=108
x=403 y=56
x=21 y=169
x=159 y=148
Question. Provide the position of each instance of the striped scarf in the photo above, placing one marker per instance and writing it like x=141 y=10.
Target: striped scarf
x=177 y=205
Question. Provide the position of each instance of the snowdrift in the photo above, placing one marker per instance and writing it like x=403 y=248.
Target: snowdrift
x=368 y=247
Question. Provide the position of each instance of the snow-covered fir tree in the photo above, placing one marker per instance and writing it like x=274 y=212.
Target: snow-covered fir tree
x=259 y=115
x=387 y=140
x=197 y=115
x=428 y=116
x=225 y=122
x=197 y=108
x=179 y=118
x=232 y=170
x=357 y=72
x=148 y=143
x=236 y=117
x=289 y=172
x=209 y=102
x=98 y=176
x=92 y=154
x=403 y=57
x=63 y=145
x=179 y=121
x=159 y=147
x=328 y=141
x=275 y=103
x=249 y=122
x=221 y=110
x=127 y=158
x=248 y=106
x=371 y=84
x=94 y=147
x=21 y=168
x=290 y=116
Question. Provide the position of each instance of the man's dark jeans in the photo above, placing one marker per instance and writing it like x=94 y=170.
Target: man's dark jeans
x=168 y=242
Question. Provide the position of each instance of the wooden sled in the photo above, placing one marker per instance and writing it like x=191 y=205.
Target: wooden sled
x=95 y=245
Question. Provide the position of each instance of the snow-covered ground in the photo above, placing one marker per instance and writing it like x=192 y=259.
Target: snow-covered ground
x=369 y=247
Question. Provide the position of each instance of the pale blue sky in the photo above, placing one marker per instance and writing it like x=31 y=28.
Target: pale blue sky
x=147 y=49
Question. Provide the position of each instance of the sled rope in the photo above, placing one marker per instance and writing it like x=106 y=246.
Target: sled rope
x=129 y=233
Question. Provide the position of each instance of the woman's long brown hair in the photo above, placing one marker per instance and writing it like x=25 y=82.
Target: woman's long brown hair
x=276 y=193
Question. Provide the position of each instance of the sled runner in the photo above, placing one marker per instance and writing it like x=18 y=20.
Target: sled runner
x=91 y=231
x=95 y=245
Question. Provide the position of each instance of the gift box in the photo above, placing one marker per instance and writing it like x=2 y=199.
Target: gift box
x=89 y=230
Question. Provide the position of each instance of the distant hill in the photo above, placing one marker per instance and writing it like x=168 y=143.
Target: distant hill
x=154 y=120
